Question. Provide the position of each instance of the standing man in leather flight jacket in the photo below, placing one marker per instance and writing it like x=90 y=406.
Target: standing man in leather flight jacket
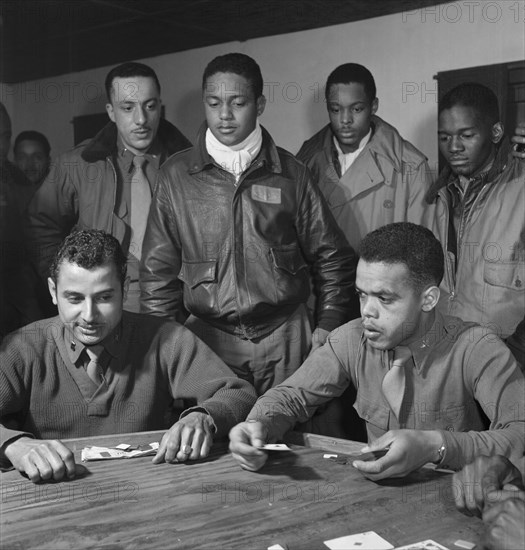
x=235 y=229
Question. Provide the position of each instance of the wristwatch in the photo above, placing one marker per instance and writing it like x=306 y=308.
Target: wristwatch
x=441 y=454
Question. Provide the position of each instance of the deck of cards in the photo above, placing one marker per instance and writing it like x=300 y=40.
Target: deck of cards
x=120 y=451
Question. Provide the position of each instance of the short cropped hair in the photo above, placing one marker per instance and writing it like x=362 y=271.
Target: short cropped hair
x=90 y=248
x=471 y=94
x=409 y=244
x=352 y=72
x=127 y=70
x=33 y=135
x=236 y=63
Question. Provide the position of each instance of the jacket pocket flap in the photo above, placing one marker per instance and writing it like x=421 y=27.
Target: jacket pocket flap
x=195 y=273
x=507 y=274
x=289 y=259
x=372 y=411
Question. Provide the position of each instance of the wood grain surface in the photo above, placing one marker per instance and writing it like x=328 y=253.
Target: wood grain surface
x=299 y=499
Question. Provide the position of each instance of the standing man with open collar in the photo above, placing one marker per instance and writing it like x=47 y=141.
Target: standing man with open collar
x=90 y=186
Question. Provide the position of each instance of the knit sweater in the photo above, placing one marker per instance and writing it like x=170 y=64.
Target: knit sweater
x=153 y=362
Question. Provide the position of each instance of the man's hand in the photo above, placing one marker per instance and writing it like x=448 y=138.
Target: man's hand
x=408 y=450
x=486 y=481
x=319 y=336
x=245 y=440
x=505 y=525
x=41 y=459
x=189 y=438
x=519 y=139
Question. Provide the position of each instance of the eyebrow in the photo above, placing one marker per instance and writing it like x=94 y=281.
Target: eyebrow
x=131 y=102
x=228 y=97
x=459 y=130
x=72 y=293
x=380 y=292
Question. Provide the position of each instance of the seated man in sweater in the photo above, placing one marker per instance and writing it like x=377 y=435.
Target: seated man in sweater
x=97 y=370
x=427 y=384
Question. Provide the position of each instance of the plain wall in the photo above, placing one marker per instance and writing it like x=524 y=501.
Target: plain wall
x=404 y=51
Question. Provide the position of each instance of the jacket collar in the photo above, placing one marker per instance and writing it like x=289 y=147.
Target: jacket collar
x=104 y=144
x=200 y=159
x=447 y=176
x=385 y=141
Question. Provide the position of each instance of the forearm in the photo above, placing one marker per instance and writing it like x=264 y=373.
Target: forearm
x=7 y=437
x=161 y=290
x=463 y=447
x=228 y=412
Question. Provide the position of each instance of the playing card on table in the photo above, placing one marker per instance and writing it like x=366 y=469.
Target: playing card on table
x=111 y=453
x=423 y=545
x=275 y=447
x=369 y=540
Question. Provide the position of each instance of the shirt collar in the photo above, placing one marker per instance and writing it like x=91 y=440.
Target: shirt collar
x=492 y=171
x=125 y=156
x=432 y=337
x=362 y=145
x=112 y=343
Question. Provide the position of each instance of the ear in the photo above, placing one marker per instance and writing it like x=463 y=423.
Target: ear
x=430 y=298
x=109 y=110
x=261 y=104
x=125 y=288
x=52 y=289
x=375 y=105
x=497 y=132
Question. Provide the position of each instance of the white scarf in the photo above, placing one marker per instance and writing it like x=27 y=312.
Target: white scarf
x=347 y=159
x=237 y=158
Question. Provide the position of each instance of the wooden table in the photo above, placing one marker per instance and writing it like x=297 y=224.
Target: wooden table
x=299 y=499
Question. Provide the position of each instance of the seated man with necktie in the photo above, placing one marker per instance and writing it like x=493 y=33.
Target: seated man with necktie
x=96 y=369
x=428 y=385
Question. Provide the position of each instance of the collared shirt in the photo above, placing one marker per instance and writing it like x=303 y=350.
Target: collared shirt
x=125 y=170
x=125 y=167
x=347 y=159
x=462 y=375
x=76 y=352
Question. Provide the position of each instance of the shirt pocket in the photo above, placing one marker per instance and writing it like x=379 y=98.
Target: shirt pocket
x=200 y=285
x=507 y=275
x=372 y=411
x=503 y=295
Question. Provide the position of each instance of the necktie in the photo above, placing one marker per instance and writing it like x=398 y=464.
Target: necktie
x=393 y=385
x=140 y=203
x=93 y=368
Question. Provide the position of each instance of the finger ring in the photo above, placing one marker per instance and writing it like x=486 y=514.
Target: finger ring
x=186 y=449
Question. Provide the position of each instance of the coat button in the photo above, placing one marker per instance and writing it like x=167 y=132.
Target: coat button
x=388 y=204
